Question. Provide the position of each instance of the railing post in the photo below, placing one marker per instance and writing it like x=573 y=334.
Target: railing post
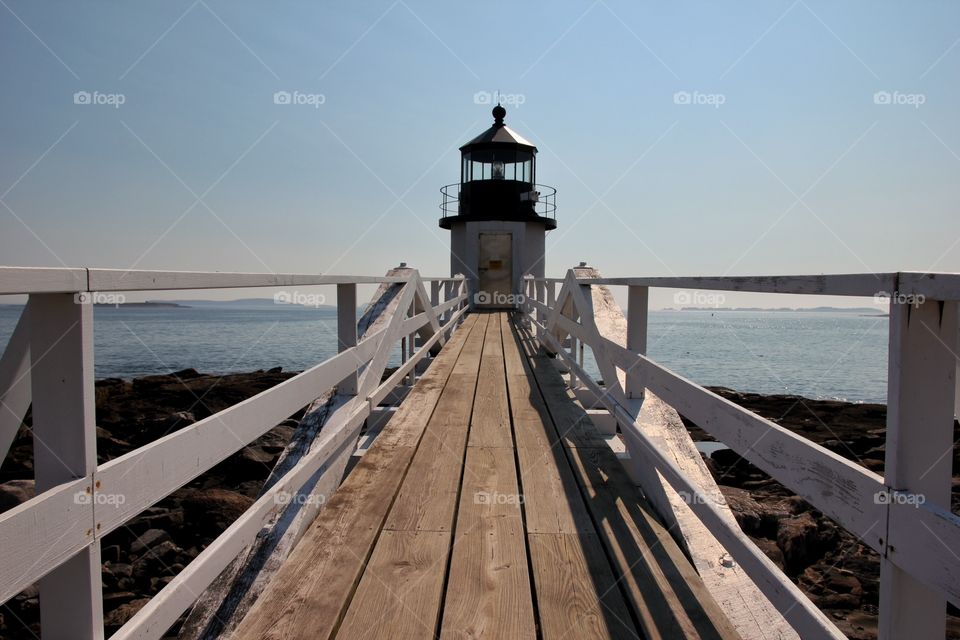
x=542 y=299
x=638 y=302
x=347 y=330
x=64 y=449
x=435 y=297
x=920 y=406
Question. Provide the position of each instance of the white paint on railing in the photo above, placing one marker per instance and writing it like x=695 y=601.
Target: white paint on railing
x=54 y=537
x=917 y=538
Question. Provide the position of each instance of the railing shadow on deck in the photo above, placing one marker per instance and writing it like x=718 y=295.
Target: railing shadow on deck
x=904 y=516
x=657 y=614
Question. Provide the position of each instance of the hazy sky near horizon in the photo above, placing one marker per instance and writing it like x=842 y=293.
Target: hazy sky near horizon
x=689 y=138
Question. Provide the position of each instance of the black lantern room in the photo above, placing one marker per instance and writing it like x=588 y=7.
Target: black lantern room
x=498 y=216
x=498 y=172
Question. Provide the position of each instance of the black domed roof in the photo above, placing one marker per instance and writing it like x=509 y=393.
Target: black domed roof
x=499 y=133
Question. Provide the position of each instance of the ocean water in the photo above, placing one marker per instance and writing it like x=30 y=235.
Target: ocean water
x=814 y=354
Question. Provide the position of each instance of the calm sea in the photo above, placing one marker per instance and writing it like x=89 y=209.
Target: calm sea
x=813 y=354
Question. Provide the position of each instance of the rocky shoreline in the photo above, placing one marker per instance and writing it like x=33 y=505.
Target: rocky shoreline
x=838 y=573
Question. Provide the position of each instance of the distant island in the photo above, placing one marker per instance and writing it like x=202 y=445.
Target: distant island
x=860 y=310
x=151 y=304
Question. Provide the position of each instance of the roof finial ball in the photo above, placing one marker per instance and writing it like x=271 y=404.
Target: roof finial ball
x=498 y=114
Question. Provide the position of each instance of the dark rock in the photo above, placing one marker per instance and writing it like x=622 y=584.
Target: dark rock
x=110 y=554
x=147 y=540
x=213 y=509
x=15 y=492
x=797 y=537
x=122 y=614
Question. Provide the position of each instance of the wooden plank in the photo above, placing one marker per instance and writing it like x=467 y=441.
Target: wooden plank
x=44 y=532
x=399 y=594
x=488 y=592
x=406 y=427
x=661 y=585
x=577 y=596
x=144 y=280
x=428 y=498
x=490 y=492
x=663 y=589
x=41 y=280
x=576 y=592
x=551 y=498
x=490 y=425
x=321 y=573
x=401 y=590
x=855 y=284
x=933 y=286
x=308 y=596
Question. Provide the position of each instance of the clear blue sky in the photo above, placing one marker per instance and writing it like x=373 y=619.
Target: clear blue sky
x=799 y=170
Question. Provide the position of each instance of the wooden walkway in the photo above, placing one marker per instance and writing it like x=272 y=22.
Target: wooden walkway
x=489 y=507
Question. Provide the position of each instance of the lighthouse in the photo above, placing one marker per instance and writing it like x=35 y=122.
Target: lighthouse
x=497 y=215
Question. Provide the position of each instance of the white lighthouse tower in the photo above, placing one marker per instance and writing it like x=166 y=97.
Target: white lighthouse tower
x=498 y=216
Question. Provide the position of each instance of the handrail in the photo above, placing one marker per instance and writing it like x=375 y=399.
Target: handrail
x=905 y=518
x=545 y=206
x=68 y=516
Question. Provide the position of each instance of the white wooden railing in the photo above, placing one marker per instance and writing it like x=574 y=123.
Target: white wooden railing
x=904 y=515
x=54 y=538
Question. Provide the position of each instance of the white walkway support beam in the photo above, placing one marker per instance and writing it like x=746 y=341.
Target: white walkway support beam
x=638 y=302
x=920 y=406
x=65 y=449
x=347 y=330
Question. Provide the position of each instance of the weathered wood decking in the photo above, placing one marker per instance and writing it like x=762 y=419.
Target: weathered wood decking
x=488 y=507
